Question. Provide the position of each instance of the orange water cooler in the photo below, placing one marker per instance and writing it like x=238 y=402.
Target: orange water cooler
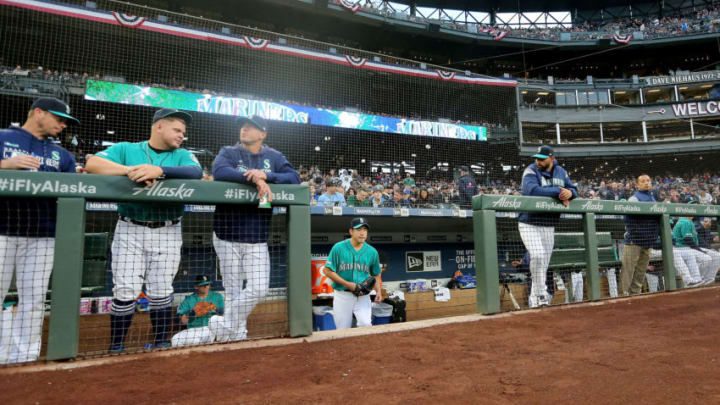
x=321 y=284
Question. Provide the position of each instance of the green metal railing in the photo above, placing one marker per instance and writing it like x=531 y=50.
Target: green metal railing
x=485 y=208
x=72 y=192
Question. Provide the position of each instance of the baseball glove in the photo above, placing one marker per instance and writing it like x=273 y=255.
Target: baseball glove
x=365 y=287
x=202 y=308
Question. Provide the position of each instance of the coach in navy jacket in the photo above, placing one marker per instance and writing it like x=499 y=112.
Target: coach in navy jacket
x=241 y=230
x=247 y=162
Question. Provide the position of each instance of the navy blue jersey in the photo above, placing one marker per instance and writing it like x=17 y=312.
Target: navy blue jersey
x=31 y=216
x=242 y=222
x=539 y=183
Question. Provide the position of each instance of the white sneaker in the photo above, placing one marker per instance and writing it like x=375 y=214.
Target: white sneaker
x=543 y=301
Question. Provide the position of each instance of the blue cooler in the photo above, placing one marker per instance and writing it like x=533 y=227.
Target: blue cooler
x=323 y=318
x=381 y=313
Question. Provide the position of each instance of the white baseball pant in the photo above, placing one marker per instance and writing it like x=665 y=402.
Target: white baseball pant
x=653 y=282
x=192 y=337
x=141 y=254
x=238 y=261
x=709 y=263
x=690 y=257
x=32 y=260
x=345 y=304
x=539 y=241
x=681 y=268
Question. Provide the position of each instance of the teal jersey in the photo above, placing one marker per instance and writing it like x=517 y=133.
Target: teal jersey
x=198 y=321
x=353 y=265
x=684 y=228
x=139 y=153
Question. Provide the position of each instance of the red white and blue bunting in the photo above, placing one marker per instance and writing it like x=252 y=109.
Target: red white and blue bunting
x=128 y=20
x=141 y=23
x=256 y=43
x=498 y=35
x=347 y=4
x=623 y=39
x=445 y=75
x=356 y=60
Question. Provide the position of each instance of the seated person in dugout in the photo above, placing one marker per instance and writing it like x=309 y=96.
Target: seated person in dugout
x=195 y=312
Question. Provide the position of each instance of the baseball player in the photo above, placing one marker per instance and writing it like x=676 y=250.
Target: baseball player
x=641 y=235
x=241 y=231
x=685 y=238
x=349 y=264
x=195 y=312
x=544 y=178
x=705 y=240
x=148 y=236
x=27 y=225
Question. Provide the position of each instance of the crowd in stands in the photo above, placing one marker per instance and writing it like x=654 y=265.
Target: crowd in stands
x=347 y=188
x=689 y=22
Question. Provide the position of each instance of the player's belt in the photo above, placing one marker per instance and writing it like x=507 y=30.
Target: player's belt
x=151 y=224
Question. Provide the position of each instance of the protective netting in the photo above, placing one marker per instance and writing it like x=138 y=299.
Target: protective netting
x=143 y=280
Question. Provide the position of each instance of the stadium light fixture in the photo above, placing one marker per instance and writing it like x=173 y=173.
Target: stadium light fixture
x=620 y=92
x=654 y=91
x=682 y=88
x=543 y=93
x=706 y=86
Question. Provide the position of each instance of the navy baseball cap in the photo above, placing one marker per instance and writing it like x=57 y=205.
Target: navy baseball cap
x=544 y=152
x=55 y=107
x=171 y=112
x=256 y=121
x=202 y=279
x=359 y=223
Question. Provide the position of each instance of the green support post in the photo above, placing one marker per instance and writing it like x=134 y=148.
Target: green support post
x=298 y=259
x=592 y=271
x=64 y=329
x=667 y=253
x=486 y=262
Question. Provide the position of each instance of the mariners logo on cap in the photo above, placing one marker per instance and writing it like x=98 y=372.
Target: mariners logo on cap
x=359 y=223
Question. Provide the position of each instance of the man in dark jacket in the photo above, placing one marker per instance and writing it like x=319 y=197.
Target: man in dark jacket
x=544 y=178
x=641 y=235
x=466 y=186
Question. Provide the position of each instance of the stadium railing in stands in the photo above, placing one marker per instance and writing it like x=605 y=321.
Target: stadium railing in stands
x=74 y=194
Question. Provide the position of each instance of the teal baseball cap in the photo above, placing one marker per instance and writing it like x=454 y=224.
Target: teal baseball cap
x=544 y=152
x=171 y=112
x=55 y=107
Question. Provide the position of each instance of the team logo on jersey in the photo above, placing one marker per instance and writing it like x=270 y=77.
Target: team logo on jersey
x=256 y=43
x=355 y=60
x=266 y=164
x=444 y=75
x=55 y=155
x=194 y=158
x=128 y=20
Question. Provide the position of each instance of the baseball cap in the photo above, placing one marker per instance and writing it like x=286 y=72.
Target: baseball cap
x=256 y=121
x=544 y=152
x=55 y=107
x=359 y=223
x=202 y=279
x=171 y=112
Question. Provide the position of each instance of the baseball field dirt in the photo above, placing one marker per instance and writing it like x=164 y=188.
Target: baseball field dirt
x=659 y=349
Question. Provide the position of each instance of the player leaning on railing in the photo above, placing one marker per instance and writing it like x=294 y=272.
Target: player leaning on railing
x=544 y=178
x=27 y=226
x=148 y=236
x=241 y=231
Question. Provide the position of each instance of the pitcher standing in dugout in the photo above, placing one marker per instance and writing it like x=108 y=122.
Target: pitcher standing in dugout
x=349 y=264
x=241 y=231
x=148 y=236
